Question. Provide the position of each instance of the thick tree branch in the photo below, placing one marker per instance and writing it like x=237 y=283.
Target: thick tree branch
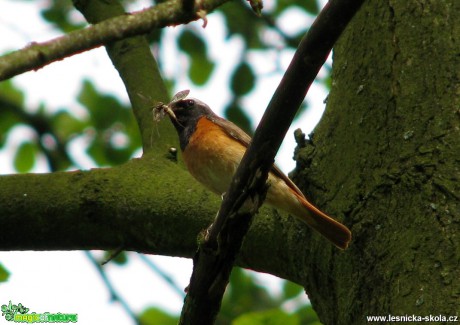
x=134 y=207
x=214 y=259
x=103 y=209
x=37 y=55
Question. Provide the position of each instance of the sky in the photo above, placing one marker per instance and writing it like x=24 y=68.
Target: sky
x=65 y=281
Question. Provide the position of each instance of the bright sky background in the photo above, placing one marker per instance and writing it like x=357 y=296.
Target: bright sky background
x=64 y=281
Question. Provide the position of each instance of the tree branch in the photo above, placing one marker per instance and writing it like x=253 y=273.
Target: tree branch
x=37 y=55
x=127 y=206
x=163 y=275
x=215 y=256
x=114 y=295
x=135 y=207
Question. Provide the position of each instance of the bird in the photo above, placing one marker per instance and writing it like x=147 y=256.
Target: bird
x=212 y=148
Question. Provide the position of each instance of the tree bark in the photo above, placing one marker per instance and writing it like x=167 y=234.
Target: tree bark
x=385 y=159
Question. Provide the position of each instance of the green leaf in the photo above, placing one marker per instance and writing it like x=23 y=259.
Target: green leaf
x=7 y=121
x=237 y=115
x=10 y=93
x=59 y=14
x=291 y=290
x=24 y=159
x=191 y=43
x=120 y=259
x=155 y=316
x=308 y=316
x=310 y=6
x=66 y=125
x=97 y=151
x=118 y=156
x=108 y=117
x=200 y=70
x=104 y=109
x=4 y=275
x=244 y=295
x=244 y=23
x=201 y=66
x=267 y=317
x=243 y=79
x=11 y=108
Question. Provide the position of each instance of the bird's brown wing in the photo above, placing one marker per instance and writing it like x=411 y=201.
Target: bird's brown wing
x=242 y=137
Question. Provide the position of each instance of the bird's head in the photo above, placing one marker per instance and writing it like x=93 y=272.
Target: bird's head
x=185 y=112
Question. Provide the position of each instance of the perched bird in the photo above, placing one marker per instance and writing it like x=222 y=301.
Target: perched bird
x=212 y=149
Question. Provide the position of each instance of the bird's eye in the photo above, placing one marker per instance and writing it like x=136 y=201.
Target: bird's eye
x=188 y=103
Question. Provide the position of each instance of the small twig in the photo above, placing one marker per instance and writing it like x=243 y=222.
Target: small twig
x=162 y=274
x=214 y=259
x=113 y=293
x=38 y=55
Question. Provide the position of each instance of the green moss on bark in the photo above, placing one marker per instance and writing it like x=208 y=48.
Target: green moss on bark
x=384 y=159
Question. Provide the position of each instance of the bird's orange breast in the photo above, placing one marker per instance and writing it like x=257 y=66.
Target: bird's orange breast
x=212 y=156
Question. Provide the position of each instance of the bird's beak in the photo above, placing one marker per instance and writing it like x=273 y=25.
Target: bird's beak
x=168 y=110
x=161 y=109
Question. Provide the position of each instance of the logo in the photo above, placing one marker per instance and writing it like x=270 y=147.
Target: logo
x=20 y=314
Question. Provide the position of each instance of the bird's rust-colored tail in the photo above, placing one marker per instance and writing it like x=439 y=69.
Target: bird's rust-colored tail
x=333 y=230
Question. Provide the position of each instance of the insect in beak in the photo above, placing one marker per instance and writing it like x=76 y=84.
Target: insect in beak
x=160 y=110
x=167 y=109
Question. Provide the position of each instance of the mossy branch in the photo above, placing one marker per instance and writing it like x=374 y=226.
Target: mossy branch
x=135 y=207
x=37 y=55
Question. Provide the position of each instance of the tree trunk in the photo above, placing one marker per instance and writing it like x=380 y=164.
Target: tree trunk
x=385 y=160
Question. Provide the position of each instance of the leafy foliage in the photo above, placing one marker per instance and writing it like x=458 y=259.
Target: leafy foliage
x=25 y=157
x=267 y=317
x=243 y=79
x=59 y=14
x=310 y=6
x=4 y=274
x=10 y=99
x=201 y=66
x=242 y=22
x=116 y=135
x=154 y=316
x=119 y=258
x=246 y=302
